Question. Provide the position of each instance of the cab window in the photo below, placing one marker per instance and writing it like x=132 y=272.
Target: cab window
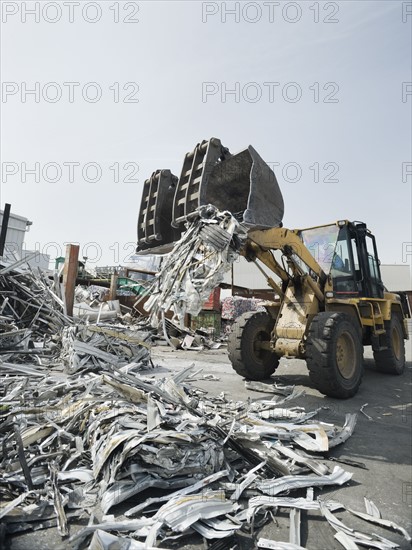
x=342 y=271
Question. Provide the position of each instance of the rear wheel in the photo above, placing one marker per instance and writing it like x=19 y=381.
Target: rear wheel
x=248 y=346
x=334 y=354
x=392 y=359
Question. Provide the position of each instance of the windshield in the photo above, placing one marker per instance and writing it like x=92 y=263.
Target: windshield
x=321 y=243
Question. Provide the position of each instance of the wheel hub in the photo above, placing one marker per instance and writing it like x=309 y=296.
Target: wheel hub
x=346 y=355
x=260 y=344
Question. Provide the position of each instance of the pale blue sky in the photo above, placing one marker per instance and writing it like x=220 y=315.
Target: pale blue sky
x=169 y=53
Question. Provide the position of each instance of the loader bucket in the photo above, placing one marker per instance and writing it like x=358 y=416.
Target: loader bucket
x=245 y=185
x=154 y=229
x=242 y=183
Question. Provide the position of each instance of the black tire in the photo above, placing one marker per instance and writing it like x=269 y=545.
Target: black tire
x=334 y=354
x=245 y=354
x=392 y=359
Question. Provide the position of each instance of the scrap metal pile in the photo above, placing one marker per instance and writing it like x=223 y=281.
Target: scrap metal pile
x=83 y=448
x=84 y=433
x=29 y=309
x=34 y=329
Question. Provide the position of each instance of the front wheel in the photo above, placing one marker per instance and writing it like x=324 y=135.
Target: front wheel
x=248 y=346
x=392 y=359
x=334 y=354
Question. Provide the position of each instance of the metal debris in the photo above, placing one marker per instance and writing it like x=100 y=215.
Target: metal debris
x=275 y=486
x=31 y=306
x=364 y=413
x=107 y=435
x=371 y=508
x=268 y=388
x=346 y=432
x=86 y=427
x=278 y=545
x=382 y=522
x=196 y=265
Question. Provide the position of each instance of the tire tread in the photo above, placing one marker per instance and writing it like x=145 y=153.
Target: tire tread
x=320 y=358
x=238 y=346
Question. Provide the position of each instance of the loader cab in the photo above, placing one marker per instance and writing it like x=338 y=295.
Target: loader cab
x=355 y=267
x=346 y=251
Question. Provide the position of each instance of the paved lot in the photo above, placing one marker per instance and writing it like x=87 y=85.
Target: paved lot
x=383 y=444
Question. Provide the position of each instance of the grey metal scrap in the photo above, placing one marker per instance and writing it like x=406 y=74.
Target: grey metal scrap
x=314 y=465
x=268 y=388
x=278 y=545
x=382 y=522
x=371 y=508
x=182 y=512
x=196 y=265
x=351 y=539
x=257 y=503
x=96 y=429
x=102 y=540
x=347 y=535
x=275 y=486
x=125 y=526
x=294 y=532
x=346 y=432
x=32 y=301
x=199 y=485
x=58 y=504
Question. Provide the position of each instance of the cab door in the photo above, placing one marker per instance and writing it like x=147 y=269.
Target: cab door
x=368 y=275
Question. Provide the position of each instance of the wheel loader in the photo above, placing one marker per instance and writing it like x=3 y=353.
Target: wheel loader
x=329 y=299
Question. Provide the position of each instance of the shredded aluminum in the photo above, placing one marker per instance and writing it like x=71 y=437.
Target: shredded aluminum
x=86 y=428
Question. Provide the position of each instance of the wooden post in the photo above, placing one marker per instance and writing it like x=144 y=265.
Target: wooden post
x=71 y=264
x=113 y=286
